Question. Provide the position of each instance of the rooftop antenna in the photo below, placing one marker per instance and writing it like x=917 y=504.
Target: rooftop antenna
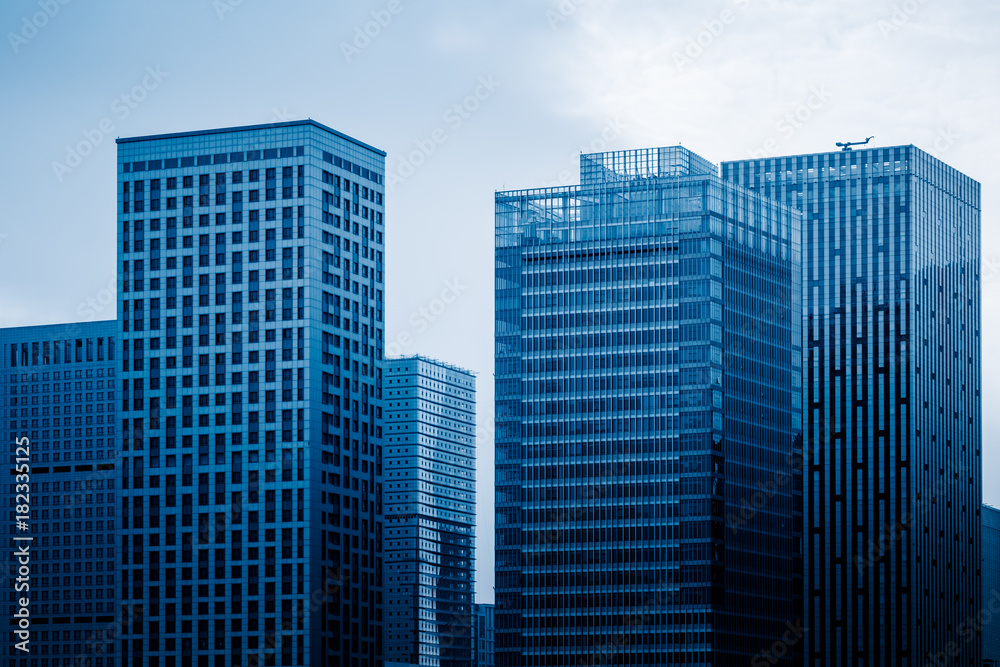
x=846 y=145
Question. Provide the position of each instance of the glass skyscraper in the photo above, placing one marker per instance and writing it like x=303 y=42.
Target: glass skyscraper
x=991 y=581
x=58 y=388
x=483 y=635
x=892 y=405
x=647 y=429
x=251 y=331
x=430 y=512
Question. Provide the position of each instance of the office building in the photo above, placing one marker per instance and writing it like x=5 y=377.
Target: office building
x=483 y=628
x=990 y=571
x=892 y=410
x=430 y=511
x=647 y=393
x=59 y=388
x=250 y=318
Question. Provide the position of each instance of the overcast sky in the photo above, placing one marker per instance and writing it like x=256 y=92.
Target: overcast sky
x=535 y=83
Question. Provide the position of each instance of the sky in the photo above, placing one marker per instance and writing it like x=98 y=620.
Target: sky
x=468 y=98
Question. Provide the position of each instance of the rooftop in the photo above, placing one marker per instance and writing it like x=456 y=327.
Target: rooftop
x=429 y=360
x=250 y=128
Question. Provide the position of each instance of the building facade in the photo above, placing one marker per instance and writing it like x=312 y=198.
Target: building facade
x=647 y=428
x=250 y=320
x=483 y=631
x=892 y=406
x=430 y=512
x=990 y=572
x=59 y=390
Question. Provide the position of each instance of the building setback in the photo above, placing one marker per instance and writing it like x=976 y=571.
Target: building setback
x=250 y=318
x=647 y=392
x=991 y=581
x=58 y=387
x=892 y=405
x=430 y=512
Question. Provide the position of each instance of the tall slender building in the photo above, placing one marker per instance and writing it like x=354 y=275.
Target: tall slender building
x=892 y=405
x=60 y=393
x=250 y=319
x=991 y=581
x=430 y=512
x=647 y=426
x=483 y=635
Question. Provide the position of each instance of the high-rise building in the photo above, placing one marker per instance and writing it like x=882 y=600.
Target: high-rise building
x=647 y=424
x=250 y=315
x=991 y=581
x=430 y=511
x=483 y=629
x=60 y=394
x=892 y=401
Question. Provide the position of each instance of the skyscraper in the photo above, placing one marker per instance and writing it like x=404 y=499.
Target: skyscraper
x=58 y=386
x=483 y=635
x=647 y=393
x=892 y=405
x=430 y=512
x=991 y=581
x=250 y=318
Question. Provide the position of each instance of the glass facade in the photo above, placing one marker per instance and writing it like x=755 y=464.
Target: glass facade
x=892 y=404
x=991 y=580
x=483 y=629
x=430 y=512
x=251 y=288
x=647 y=429
x=58 y=389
